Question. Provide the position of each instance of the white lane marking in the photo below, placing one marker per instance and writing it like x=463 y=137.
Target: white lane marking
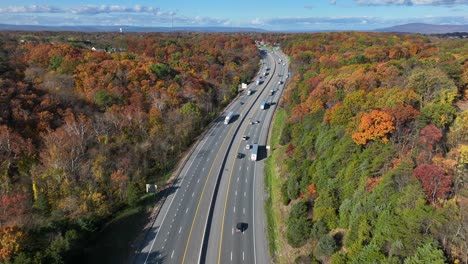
x=198 y=180
x=243 y=210
x=180 y=229
x=243 y=256
x=170 y=226
x=162 y=247
x=237 y=179
x=232 y=231
x=203 y=169
x=193 y=194
x=234 y=209
x=245 y=180
x=244 y=194
x=231 y=255
x=186 y=210
x=172 y=255
x=247 y=167
x=240 y=167
x=235 y=193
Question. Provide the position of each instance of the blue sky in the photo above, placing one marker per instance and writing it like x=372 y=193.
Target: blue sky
x=270 y=15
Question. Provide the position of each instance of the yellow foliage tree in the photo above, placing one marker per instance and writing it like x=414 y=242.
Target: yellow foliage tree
x=10 y=237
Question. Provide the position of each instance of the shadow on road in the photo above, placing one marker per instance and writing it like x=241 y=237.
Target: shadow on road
x=153 y=258
x=262 y=153
x=219 y=119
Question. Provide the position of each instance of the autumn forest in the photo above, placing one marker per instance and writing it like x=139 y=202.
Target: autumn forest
x=370 y=143
x=372 y=150
x=87 y=120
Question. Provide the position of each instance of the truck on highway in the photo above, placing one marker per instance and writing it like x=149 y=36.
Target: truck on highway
x=228 y=118
x=253 y=155
x=263 y=105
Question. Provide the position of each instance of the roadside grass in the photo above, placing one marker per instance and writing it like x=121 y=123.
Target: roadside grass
x=273 y=187
x=271 y=223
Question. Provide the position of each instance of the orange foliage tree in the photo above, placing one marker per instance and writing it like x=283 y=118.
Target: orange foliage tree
x=374 y=125
x=10 y=237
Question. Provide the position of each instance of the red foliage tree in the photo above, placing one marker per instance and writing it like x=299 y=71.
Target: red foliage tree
x=435 y=182
x=12 y=208
x=402 y=113
x=429 y=136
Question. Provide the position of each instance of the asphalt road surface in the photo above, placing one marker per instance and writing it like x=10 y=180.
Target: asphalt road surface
x=220 y=186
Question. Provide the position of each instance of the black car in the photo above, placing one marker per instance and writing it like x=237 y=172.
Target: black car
x=240 y=227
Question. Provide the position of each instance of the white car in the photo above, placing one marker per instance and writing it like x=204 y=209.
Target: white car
x=248 y=146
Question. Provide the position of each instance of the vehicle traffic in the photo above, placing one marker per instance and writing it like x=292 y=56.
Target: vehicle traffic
x=253 y=155
x=228 y=118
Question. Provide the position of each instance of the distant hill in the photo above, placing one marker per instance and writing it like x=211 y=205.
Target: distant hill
x=6 y=27
x=425 y=28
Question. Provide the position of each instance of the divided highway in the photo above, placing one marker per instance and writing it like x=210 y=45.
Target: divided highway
x=218 y=187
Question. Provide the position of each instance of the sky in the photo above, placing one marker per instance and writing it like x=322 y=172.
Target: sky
x=274 y=15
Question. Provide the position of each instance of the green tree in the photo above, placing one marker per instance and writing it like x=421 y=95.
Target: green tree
x=133 y=194
x=293 y=188
x=55 y=62
x=319 y=229
x=430 y=84
x=162 y=70
x=427 y=253
x=102 y=98
x=440 y=114
x=298 y=225
x=326 y=246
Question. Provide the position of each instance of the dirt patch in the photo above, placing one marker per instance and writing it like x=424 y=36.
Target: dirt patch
x=462 y=104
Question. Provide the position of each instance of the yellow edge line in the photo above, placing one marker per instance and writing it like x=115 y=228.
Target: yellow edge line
x=201 y=196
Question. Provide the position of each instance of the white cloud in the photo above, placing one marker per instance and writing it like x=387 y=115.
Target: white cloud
x=79 y=9
x=30 y=9
x=349 y=23
x=413 y=2
x=257 y=22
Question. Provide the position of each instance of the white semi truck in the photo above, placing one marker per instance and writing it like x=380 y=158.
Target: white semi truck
x=253 y=155
x=228 y=118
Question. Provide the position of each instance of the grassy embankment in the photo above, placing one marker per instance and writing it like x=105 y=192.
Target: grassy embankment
x=273 y=186
x=276 y=212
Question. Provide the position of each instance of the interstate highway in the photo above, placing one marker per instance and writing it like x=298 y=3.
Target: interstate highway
x=241 y=196
x=178 y=233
